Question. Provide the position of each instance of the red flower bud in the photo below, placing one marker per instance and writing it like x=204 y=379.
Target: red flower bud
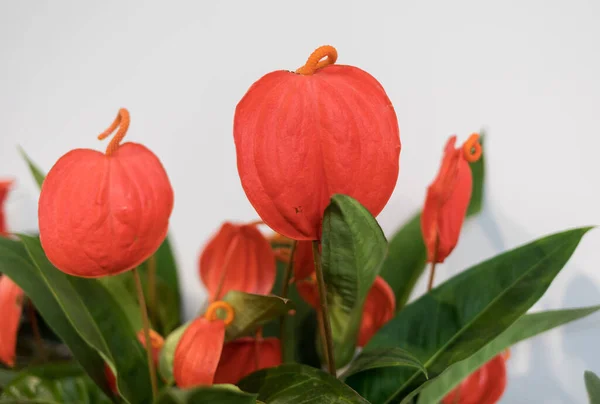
x=198 y=352
x=238 y=258
x=4 y=188
x=303 y=136
x=246 y=355
x=448 y=198
x=102 y=214
x=485 y=386
x=379 y=308
x=11 y=306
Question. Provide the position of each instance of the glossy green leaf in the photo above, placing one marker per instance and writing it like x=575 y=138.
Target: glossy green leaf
x=353 y=249
x=38 y=175
x=383 y=358
x=165 y=306
x=526 y=327
x=55 y=383
x=298 y=383
x=167 y=353
x=101 y=321
x=407 y=254
x=462 y=315
x=253 y=311
x=16 y=263
x=592 y=385
x=217 y=394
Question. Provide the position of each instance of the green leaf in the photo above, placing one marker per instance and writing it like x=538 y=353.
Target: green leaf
x=219 y=393
x=592 y=385
x=6 y=376
x=165 y=307
x=353 y=249
x=16 y=263
x=101 y=321
x=407 y=254
x=252 y=311
x=56 y=383
x=526 y=327
x=295 y=383
x=167 y=353
x=462 y=315
x=38 y=175
x=383 y=358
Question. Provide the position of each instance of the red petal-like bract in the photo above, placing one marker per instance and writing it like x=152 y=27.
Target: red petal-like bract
x=302 y=138
x=11 y=306
x=4 y=188
x=484 y=386
x=246 y=355
x=304 y=263
x=379 y=308
x=198 y=353
x=446 y=204
x=101 y=215
x=238 y=257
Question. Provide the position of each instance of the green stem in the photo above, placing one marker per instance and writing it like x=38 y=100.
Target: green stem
x=287 y=275
x=146 y=324
x=324 y=309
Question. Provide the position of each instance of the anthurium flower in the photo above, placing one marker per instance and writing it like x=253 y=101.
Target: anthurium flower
x=102 y=214
x=198 y=352
x=245 y=355
x=448 y=199
x=484 y=386
x=157 y=343
x=4 y=189
x=11 y=306
x=238 y=257
x=378 y=309
x=303 y=136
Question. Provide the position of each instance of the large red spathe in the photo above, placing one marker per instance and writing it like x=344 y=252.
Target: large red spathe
x=102 y=214
x=302 y=137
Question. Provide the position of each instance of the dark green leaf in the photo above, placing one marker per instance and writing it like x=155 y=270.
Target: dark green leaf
x=353 y=249
x=406 y=258
x=6 y=376
x=298 y=383
x=462 y=315
x=38 y=175
x=165 y=304
x=217 y=394
x=56 y=383
x=16 y=263
x=592 y=384
x=383 y=358
x=252 y=311
x=526 y=327
x=100 y=319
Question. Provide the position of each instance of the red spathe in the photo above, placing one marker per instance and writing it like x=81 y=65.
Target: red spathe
x=484 y=386
x=101 y=215
x=238 y=257
x=11 y=306
x=246 y=355
x=198 y=352
x=302 y=138
x=446 y=204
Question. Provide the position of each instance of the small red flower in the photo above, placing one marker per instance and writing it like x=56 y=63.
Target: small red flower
x=11 y=306
x=199 y=350
x=379 y=308
x=246 y=355
x=448 y=199
x=238 y=257
x=157 y=343
x=485 y=386
x=4 y=189
x=303 y=136
x=102 y=214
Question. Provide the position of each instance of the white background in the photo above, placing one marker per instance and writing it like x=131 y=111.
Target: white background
x=528 y=71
